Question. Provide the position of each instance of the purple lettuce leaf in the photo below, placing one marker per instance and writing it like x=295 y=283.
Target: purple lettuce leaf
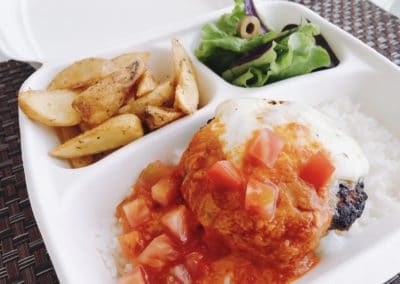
x=251 y=11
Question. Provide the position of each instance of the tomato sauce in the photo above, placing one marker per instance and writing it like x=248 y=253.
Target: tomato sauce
x=203 y=258
x=164 y=238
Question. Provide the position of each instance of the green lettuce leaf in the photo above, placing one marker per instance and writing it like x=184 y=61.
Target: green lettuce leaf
x=302 y=53
x=264 y=60
x=220 y=45
x=253 y=77
x=213 y=38
x=294 y=51
x=228 y=22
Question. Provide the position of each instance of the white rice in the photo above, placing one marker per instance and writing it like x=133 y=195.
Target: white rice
x=383 y=153
x=382 y=150
x=107 y=245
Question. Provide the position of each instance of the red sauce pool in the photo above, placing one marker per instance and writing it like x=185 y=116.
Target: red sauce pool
x=187 y=253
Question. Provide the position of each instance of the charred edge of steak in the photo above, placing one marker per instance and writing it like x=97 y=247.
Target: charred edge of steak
x=350 y=205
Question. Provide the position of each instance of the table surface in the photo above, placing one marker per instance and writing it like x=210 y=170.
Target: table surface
x=23 y=256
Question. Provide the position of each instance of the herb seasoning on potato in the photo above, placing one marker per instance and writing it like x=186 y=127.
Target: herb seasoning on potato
x=98 y=105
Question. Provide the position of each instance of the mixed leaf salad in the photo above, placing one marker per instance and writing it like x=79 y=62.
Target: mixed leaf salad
x=245 y=52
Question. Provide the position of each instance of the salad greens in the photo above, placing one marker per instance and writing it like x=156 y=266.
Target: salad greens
x=267 y=57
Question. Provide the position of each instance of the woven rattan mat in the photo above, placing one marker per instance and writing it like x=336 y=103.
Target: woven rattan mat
x=23 y=256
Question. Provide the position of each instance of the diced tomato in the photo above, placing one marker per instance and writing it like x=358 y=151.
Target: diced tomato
x=265 y=147
x=158 y=252
x=195 y=264
x=130 y=244
x=164 y=191
x=224 y=173
x=136 y=212
x=180 y=273
x=261 y=197
x=317 y=171
x=136 y=276
x=176 y=221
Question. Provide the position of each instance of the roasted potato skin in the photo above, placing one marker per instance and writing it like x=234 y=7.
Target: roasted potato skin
x=156 y=117
x=126 y=59
x=147 y=84
x=179 y=54
x=52 y=108
x=163 y=94
x=115 y=132
x=67 y=133
x=102 y=100
x=97 y=105
x=82 y=73
x=187 y=91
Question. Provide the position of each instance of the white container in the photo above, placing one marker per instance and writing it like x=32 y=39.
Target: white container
x=72 y=205
x=43 y=30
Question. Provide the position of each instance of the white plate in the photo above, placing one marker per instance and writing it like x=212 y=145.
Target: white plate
x=71 y=205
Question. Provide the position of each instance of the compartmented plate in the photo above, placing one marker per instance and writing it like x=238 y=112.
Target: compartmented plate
x=72 y=206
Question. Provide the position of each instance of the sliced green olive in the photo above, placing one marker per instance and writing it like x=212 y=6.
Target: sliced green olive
x=248 y=27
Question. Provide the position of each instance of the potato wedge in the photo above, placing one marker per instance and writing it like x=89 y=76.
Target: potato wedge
x=52 y=108
x=66 y=133
x=115 y=132
x=124 y=60
x=156 y=117
x=163 y=94
x=179 y=55
x=147 y=84
x=187 y=92
x=82 y=73
x=102 y=100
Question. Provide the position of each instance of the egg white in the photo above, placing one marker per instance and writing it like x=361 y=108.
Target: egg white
x=241 y=117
